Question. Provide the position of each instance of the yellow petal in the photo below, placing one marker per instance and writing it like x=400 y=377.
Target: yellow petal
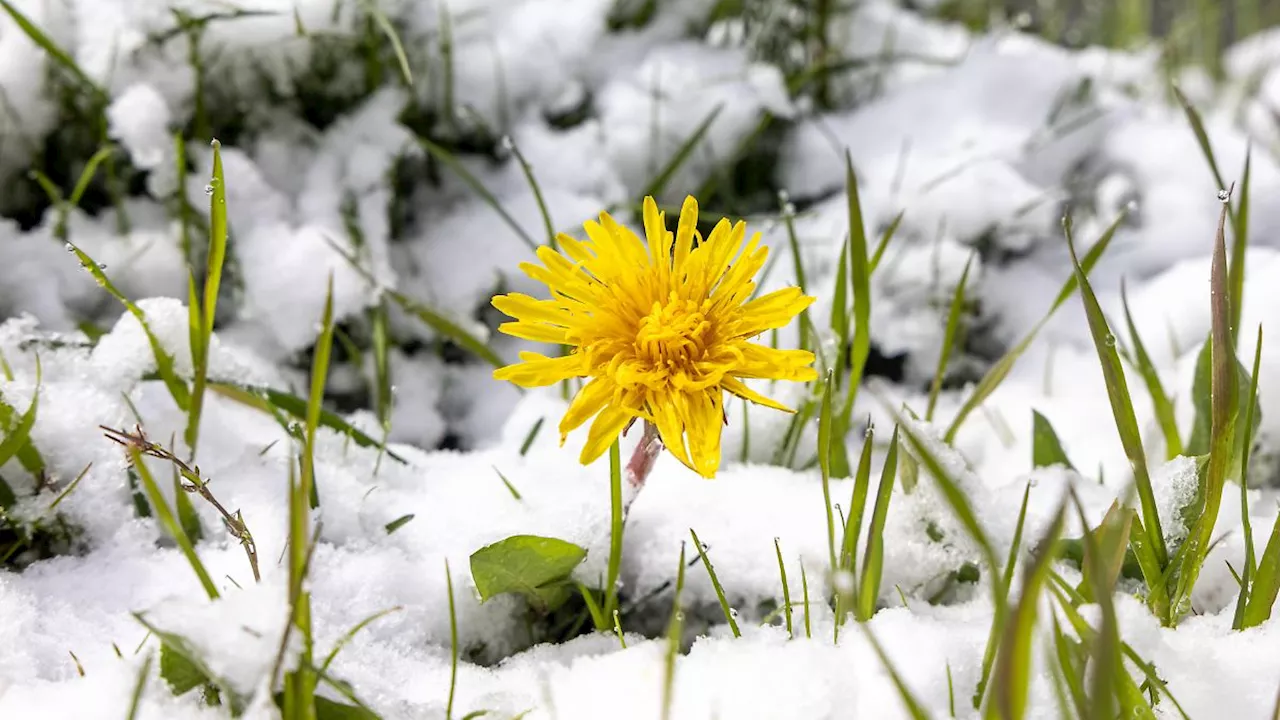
x=589 y=400
x=604 y=430
x=529 y=309
x=774 y=310
x=659 y=238
x=537 y=332
x=706 y=420
x=684 y=233
x=759 y=361
x=670 y=426
x=739 y=388
x=538 y=370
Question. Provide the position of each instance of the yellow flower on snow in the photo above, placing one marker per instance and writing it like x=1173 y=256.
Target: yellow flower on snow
x=661 y=330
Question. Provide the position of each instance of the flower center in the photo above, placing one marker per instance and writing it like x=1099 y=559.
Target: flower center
x=671 y=342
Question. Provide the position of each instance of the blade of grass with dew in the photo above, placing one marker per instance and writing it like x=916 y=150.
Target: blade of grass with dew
x=909 y=701
x=617 y=519
x=164 y=361
x=1125 y=419
x=445 y=157
x=1000 y=370
x=786 y=590
x=675 y=630
x=824 y=463
x=948 y=338
x=1012 y=679
x=1202 y=137
x=319 y=375
x=655 y=187
x=202 y=332
x=170 y=523
x=1225 y=407
x=873 y=559
x=1159 y=399
x=715 y=583
x=1246 y=525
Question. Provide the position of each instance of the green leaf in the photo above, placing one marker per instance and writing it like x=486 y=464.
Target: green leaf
x=327 y=709
x=181 y=674
x=536 y=567
x=1201 y=398
x=1046 y=449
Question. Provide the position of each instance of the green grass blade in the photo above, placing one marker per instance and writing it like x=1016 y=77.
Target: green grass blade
x=1225 y=407
x=319 y=374
x=913 y=706
x=1246 y=526
x=994 y=636
x=393 y=37
x=279 y=403
x=355 y=629
x=86 y=176
x=860 y=279
x=786 y=590
x=655 y=186
x=616 y=527
x=1202 y=137
x=209 y=305
x=847 y=562
x=1159 y=399
x=1012 y=679
x=55 y=53
x=873 y=559
x=715 y=583
x=675 y=630
x=1266 y=586
x=164 y=361
x=1000 y=370
x=1239 y=244
x=885 y=238
x=530 y=437
x=135 y=701
x=824 y=464
x=453 y=642
x=948 y=338
x=804 y=590
x=187 y=516
x=527 y=169
x=1121 y=403
x=170 y=523
x=446 y=158
x=17 y=437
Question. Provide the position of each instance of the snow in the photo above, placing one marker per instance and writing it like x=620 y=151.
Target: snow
x=980 y=141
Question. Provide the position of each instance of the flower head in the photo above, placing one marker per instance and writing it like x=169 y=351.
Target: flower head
x=661 y=329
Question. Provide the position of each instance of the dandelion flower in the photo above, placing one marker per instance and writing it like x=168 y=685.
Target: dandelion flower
x=661 y=328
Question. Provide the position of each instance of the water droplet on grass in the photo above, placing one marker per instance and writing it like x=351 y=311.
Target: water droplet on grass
x=1224 y=196
x=208 y=189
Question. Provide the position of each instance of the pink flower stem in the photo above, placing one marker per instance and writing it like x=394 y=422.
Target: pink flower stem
x=643 y=457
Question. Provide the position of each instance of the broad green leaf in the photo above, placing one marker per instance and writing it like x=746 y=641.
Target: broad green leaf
x=1046 y=449
x=536 y=567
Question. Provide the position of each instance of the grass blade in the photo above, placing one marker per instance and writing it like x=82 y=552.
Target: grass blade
x=885 y=239
x=860 y=278
x=446 y=158
x=202 y=331
x=659 y=183
x=170 y=523
x=56 y=53
x=948 y=338
x=319 y=374
x=1239 y=244
x=1266 y=586
x=1159 y=399
x=1121 y=403
x=873 y=559
x=786 y=591
x=1013 y=668
x=1000 y=370
x=393 y=37
x=848 y=562
x=913 y=706
x=824 y=464
x=715 y=583
x=1250 y=566
x=675 y=630
x=1225 y=407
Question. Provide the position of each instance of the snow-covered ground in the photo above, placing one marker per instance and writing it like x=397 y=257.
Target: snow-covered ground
x=981 y=141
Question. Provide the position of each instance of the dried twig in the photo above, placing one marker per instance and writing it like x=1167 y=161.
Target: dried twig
x=195 y=483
